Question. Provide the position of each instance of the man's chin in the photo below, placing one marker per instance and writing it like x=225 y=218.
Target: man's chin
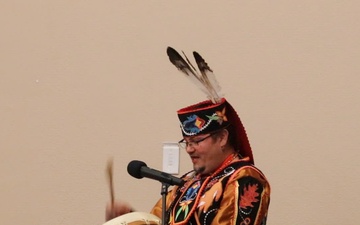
x=199 y=170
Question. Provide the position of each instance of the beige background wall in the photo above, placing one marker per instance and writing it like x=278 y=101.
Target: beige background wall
x=83 y=81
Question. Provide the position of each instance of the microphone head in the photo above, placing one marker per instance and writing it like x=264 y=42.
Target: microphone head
x=134 y=168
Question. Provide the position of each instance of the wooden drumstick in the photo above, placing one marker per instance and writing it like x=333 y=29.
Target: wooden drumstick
x=109 y=171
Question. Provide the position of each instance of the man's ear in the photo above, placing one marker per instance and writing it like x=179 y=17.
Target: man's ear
x=224 y=137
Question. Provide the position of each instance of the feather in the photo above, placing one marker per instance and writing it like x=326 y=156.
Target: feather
x=179 y=62
x=208 y=78
x=188 y=69
x=188 y=61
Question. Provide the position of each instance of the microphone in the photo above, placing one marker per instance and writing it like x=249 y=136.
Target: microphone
x=139 y=169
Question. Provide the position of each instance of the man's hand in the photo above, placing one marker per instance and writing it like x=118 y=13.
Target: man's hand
x=116 y=209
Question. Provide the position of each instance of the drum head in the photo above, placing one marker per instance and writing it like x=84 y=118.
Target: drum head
x=135 y=218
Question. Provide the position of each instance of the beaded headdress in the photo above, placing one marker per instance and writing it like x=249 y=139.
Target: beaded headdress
x=213 y=114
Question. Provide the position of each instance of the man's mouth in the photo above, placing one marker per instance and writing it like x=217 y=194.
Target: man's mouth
x=194 y=159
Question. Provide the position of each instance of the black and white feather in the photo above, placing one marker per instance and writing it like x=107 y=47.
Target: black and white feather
x=205 y=81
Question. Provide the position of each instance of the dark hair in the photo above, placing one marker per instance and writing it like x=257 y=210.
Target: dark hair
x=231 y=138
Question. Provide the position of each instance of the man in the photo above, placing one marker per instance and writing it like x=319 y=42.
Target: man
x=224 y=187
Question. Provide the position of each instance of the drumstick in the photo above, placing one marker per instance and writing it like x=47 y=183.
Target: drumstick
x=109 y=171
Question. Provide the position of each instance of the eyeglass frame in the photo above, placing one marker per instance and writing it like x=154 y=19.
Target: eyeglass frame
x=193 y=143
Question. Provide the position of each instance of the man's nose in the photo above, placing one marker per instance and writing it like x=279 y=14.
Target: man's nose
x=189 y=148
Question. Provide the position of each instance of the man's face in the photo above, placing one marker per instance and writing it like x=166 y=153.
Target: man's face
x=205 y=155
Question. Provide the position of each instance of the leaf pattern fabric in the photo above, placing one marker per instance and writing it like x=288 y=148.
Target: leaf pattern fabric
x=249 y=196
x=239 y=197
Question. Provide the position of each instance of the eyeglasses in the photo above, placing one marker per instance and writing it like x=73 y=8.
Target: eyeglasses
x=195 y=143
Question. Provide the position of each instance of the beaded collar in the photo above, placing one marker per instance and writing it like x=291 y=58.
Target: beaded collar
x=224 y=164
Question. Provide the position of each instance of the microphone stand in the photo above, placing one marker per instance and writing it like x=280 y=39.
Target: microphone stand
x=164 y=191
